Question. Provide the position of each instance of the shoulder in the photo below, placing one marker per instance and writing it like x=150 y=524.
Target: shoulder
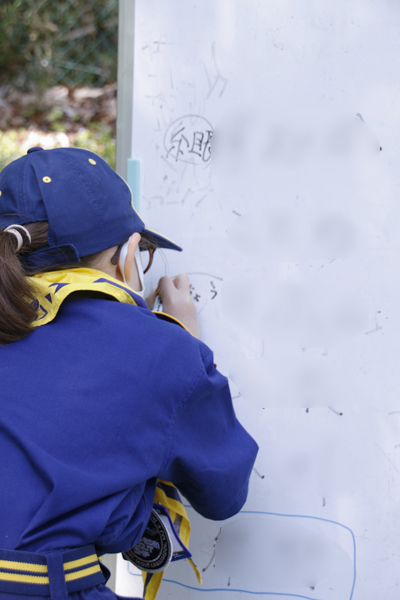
x=136 y=334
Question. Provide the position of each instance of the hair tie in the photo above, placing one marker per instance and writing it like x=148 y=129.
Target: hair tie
x=13 y=229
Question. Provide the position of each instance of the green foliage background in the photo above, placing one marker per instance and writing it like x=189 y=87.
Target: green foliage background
x=47 y=42
x=57 y=42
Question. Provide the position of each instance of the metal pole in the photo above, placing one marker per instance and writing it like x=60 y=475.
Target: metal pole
x=126 y=38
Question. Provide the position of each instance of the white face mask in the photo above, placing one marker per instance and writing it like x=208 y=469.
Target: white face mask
x=138 y=259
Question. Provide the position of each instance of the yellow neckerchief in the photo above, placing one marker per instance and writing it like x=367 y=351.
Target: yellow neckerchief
x=51 y=289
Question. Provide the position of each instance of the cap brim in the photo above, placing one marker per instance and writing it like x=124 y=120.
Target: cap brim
x=162 y=242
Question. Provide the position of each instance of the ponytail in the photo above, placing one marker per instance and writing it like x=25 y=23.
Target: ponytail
x=16 y=292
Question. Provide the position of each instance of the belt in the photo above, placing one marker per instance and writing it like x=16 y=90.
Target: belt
x=55 y=574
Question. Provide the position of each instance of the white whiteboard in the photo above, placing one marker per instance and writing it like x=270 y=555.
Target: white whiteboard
x=309 y=226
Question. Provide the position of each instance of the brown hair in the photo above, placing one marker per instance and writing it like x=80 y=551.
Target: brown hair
x=17 y=311
x=16 y=292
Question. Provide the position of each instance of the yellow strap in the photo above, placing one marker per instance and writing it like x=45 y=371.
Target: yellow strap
x=196 y=570
x=11 y=565
x=84 y=573
x=170 y=503
x=153 y=585
x=175 y=508
x=74 y=564
x=19 y=578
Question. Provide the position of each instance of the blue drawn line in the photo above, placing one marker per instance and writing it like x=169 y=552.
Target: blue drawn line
x=196 y=589
x=241 y=591
x=259 y=512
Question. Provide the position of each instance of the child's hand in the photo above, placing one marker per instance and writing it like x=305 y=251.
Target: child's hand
x=176 y=300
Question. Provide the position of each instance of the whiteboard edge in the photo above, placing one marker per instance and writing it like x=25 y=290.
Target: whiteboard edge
x=126 y=39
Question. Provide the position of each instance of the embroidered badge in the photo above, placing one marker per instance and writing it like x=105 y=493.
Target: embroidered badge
x=154 y=551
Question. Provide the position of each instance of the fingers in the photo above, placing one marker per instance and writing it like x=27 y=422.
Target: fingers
x=165 y=286
x=177 y=301
x=182 y=281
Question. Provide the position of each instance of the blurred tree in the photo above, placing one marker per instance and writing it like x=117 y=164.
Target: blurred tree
x=49 y=42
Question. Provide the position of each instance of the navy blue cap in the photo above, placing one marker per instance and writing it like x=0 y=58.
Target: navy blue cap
x=87 y=204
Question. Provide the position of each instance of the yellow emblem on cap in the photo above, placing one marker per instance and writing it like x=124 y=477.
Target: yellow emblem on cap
x=46 y=179
x=0 y=192
x=92 y=162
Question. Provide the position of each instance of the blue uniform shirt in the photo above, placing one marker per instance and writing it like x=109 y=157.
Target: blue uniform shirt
x=95 y=406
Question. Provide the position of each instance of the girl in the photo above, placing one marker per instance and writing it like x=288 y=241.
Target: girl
x=104 y=404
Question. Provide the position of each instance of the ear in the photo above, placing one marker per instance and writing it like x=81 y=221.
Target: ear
x=130 y=257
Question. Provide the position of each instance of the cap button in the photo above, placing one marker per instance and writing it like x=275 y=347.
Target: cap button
x=35 y=149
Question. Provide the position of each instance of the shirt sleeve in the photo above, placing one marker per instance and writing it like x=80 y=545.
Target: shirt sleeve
x=212 y=455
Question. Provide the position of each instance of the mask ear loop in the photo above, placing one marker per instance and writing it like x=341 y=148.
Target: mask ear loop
x=139 y=266
x=122 y=258
x=138 y=259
